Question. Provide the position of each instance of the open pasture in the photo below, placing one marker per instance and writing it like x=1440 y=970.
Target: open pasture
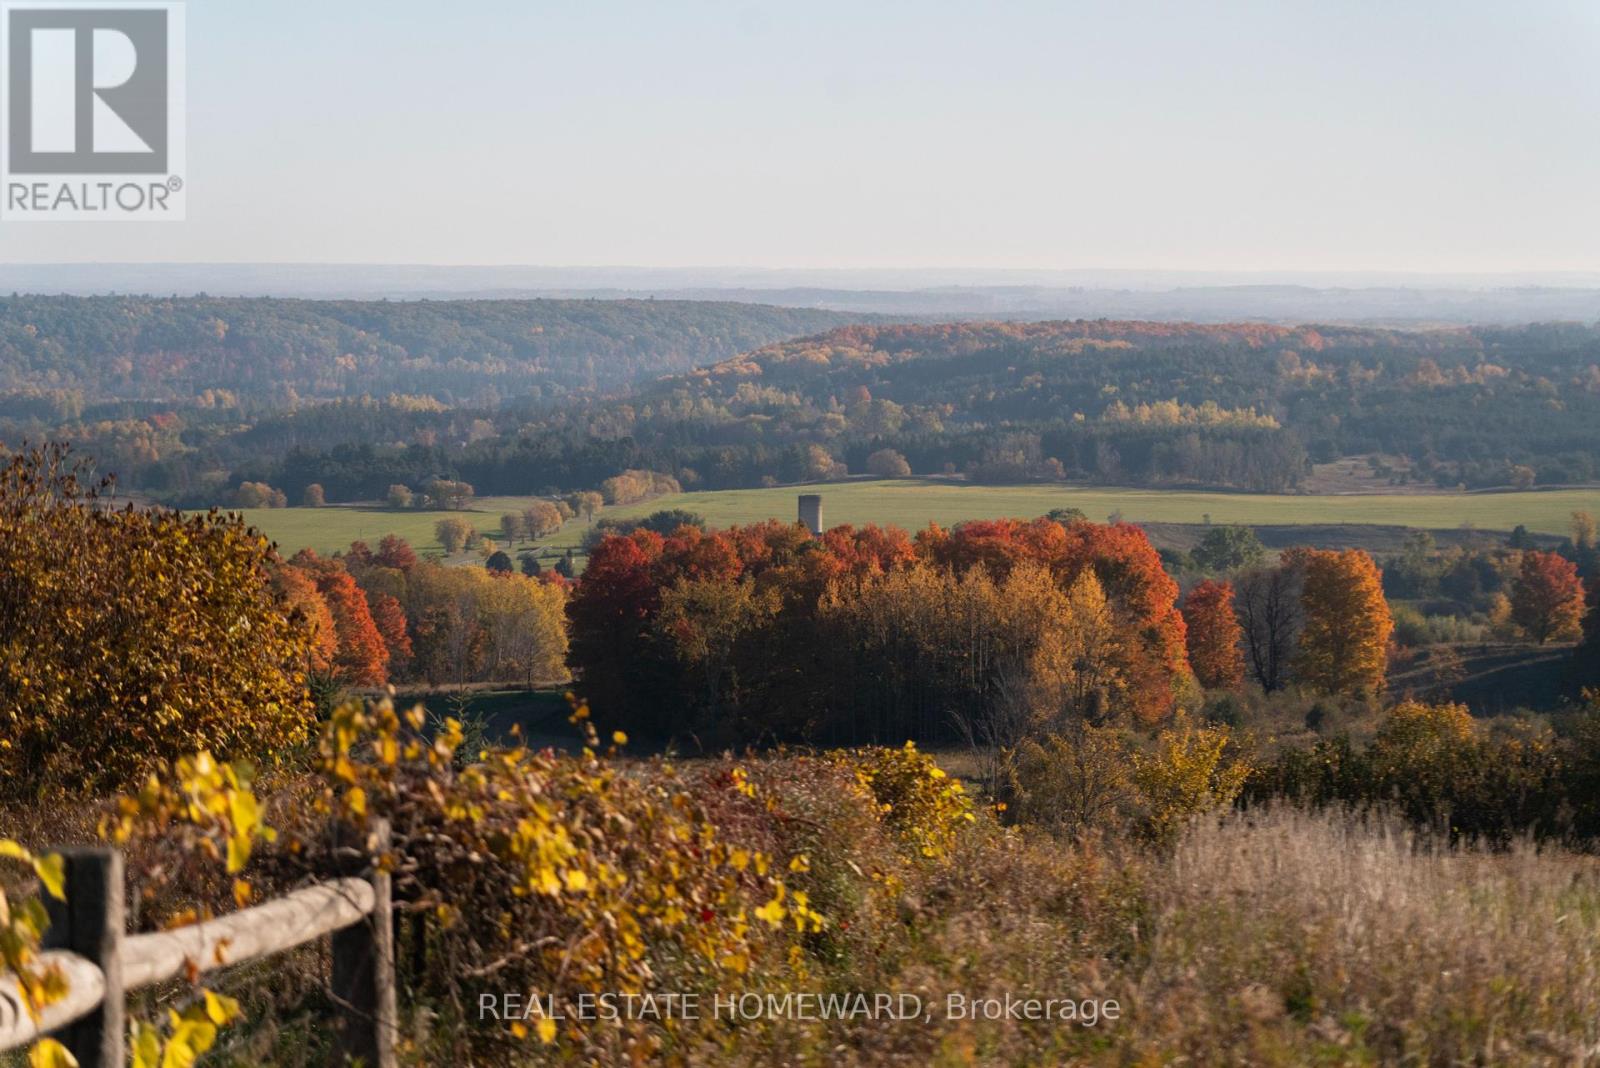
x=914 y=503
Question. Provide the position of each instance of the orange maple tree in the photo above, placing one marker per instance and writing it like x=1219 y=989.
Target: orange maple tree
x=390 y=619
x=1214 y=636
x=297 y=591
x=361 y=657
x=1547 y=597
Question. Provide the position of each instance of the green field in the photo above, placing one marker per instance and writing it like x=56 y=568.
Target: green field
x=913 y=503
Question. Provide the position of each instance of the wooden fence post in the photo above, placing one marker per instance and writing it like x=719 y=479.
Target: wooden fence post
x=363 y=978
x=90 y=923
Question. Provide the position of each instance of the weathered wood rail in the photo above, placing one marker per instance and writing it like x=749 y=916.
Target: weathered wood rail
x=102 y=964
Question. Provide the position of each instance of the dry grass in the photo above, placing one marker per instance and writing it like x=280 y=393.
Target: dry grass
x=1290 y=938
x=1272 y=939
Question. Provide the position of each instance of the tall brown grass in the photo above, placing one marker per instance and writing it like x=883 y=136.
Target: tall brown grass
x=1276 y=938
x=1293 y=938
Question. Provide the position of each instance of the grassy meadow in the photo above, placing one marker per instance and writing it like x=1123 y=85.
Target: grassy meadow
x=914 y=503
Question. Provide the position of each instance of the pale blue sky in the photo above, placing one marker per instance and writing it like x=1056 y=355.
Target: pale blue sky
x=1278 y=135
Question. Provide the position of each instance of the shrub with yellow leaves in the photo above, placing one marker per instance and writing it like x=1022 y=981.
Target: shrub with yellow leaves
x=569 y=876
x=187 y=1033
x=831 y=840
x=1073 y=780
x=192 y=834
x=1431 y=760
x=210 y=794
x=917 y=798
x=1192 y=771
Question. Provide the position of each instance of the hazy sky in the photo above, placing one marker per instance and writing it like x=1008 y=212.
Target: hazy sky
x=1278 y=135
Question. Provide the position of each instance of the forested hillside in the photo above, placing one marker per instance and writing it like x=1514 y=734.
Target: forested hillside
x=522 y=397
x=1247 y=406
x=58 y=354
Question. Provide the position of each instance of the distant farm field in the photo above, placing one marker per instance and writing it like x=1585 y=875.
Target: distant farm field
x=914 y=503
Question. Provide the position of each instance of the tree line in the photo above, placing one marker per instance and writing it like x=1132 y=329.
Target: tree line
x=984 y=631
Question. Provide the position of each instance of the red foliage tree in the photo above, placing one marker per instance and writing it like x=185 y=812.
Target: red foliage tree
x=390 y=619
x=869 y=549
x=394 y=551
x=609 y=614
x=359 y=553
x=1213 y=636
x=362 y=658
x=692 y=553
x=1547 y=597
x=297 y=592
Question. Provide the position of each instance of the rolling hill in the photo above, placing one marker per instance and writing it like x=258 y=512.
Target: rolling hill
x=1243 y=406
x=59 y=354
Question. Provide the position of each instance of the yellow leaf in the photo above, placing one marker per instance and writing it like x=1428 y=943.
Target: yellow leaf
x=146 y=1046
x=547 y=1030
x=220 y=1008
x=48 y=1053
x=238 y=853
x=244 y=812
x=190 y=1038
x=52 y=872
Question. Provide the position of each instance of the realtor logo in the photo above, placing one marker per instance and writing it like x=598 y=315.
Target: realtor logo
x=93 y=110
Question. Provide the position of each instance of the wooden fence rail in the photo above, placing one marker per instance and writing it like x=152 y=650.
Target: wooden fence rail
x=101 y=964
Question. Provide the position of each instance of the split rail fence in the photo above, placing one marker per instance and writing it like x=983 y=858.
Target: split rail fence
x=102 y=964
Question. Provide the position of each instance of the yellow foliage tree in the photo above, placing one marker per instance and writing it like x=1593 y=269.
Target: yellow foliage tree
x=703 y=620
x=471 y=624
x=1344 y=648
x=525 y=621
x=1075 y=668
x=542 y=518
